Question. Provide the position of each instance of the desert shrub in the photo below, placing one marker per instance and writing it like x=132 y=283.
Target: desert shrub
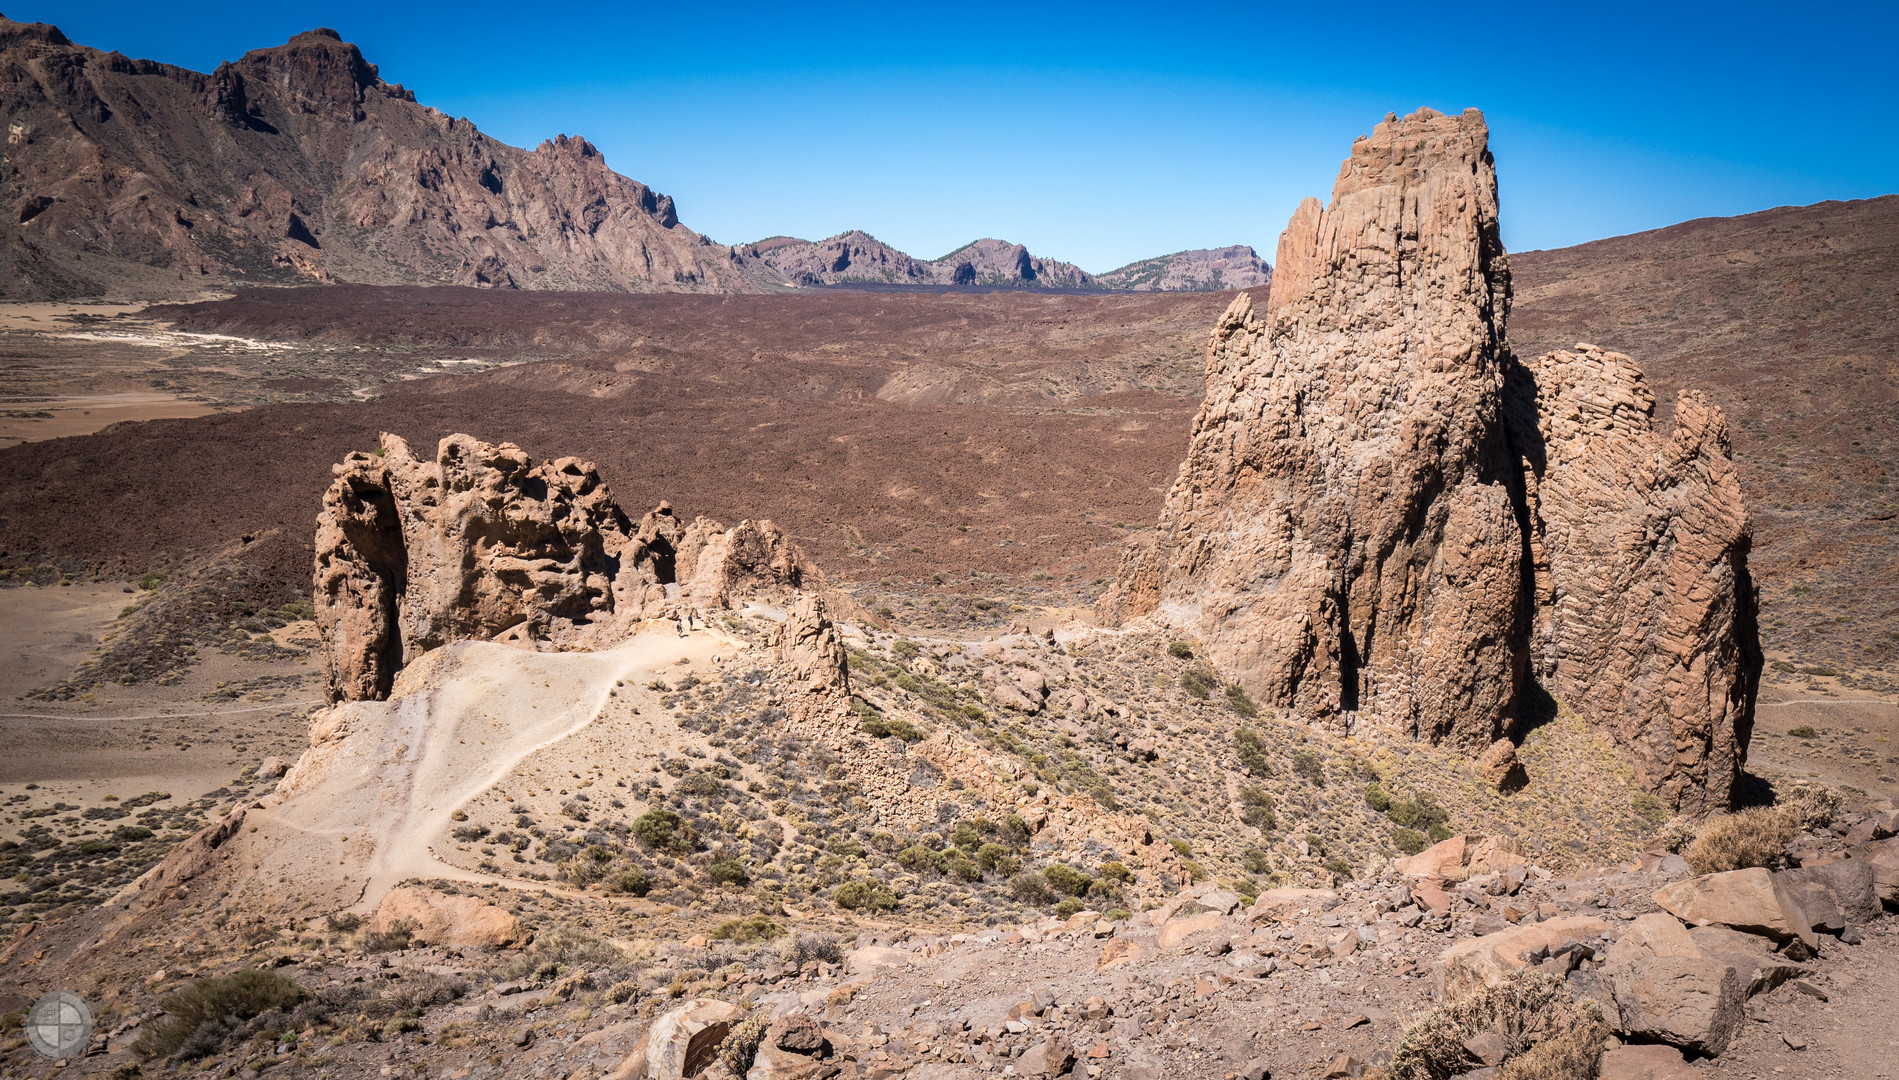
x=1376 y=797
x=1030 y=888
x=564 y=948
x=1199 y=682
x=1338 y=865
x=1067 y=879
x=623 y=991
x=631 y=880
x=1069 y=907
x=1194 y=870
x=879 y=727
x=1738 y=841
x=1409 y=841
x=1181 y=847
x=808 y=947
x=1016 y=830
x=1649 y=808
x=963 y=868
x=995 y=859
x=1810 y=806
x=740 y=1047
x=746 y=931
x=1547 y=1034
x=906 y=649
x=469 y=833
x=864 y=894
x=919 y=859
x=132 y=833
x=1308 y=764
x=1116 y=872
x=664 y=830
x=728 y=872
x=221 y=1003
x=1240 y=702
x=1180 y=650
x=1256 y=809
x=1256 y=861
x=1419 y=812
x=397 y=937
x=966 y=836
x=701 y=784
x=1804 y=731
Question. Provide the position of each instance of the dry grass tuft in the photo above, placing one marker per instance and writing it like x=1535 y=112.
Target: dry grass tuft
x=1739 y=841
x=1546 y=1034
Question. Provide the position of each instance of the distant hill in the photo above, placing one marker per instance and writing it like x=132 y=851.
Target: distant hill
x=1204 y=270
x=858 y=258
x=300 y=164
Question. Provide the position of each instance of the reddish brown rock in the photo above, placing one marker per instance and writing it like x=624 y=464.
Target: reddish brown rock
x=1638 y=540
x=435 y=918
x=480 y=542
x=1753 y=900
x=1347 y=533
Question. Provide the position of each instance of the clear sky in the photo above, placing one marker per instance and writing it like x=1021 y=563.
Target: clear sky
x=1103 y=133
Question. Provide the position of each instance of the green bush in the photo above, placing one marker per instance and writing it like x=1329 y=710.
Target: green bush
x=1256 y=861
x=1649 y=808
x=1339 y=866
x=920 y=860
x=1030 y=888
x=1409 y=841
x=1238 y=701
x=906 y=649
x=1308 y=764
x=1181 y=847
x=746 y=931
x=632 y=880
x=1016 y=830
x=1180 y=650
x=962 y=868
x=1116 y=872
x=728 y=872
x=1069 y=907
x=966 y=836
x=864 y=894
x=879 y=727
x=1256 y=809
x=1251 y=750
x=1804 y=731
x=1418 y=812
x=1199 y=682
x=1439 y=833
x=1067 y=879
x=996 y=859
x=663 y=830
x=1376 y=797
x=394 y=939
x=224 y=1000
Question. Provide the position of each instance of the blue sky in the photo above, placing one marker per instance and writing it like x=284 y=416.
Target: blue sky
x=1104 y=133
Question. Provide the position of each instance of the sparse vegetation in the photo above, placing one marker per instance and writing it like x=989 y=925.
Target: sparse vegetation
x=745 y=931
x=1546 y=1033
x=1180 y=650
x=1750 y=838
x=201 y=1018
x=864 y=894
x=1251 y=751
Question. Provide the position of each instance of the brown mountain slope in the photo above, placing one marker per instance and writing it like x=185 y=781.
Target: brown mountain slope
x=1205 y=270
x=1790 y=319
x=299 y=163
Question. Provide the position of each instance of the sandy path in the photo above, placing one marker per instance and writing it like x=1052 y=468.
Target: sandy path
x=365 y=811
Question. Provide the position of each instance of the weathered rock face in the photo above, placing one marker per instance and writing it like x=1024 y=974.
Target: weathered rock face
x=482 y=543
x=1383 y=512
x=1638 y=541
x=1342 y=533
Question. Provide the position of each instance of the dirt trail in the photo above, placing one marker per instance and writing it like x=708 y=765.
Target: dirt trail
x=367 y=807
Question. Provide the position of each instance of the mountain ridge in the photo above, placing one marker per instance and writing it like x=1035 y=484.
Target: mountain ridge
x=855 y=257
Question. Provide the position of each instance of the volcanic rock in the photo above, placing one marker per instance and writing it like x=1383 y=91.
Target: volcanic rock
x=436 y=918
x=682 y=1042
x=1347 y=532
x=481 y=543
x=1204 y=270
x=1754 y=900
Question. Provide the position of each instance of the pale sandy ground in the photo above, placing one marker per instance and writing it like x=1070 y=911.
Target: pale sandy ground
x=129 y=740
x=474 y=721
x=1855 y=741
x=84 y=415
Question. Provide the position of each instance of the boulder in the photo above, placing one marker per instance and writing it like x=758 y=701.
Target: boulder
x=1686 y=1001
x=1224 y=901
x=1646 y=1061
x=272 y=767
x=1443 y=860
x=1178 y=930
x=682 y=1042
x=1120 y=952
x=1474 y=963
x=1654 y=934
x=1753 y=900
x=872 y=959
x=436 y=918
x=1760 y=967
x=1288 y=902
x=791 y=1049
x=1500 y=768
x=1883 y=857
x=1052 y=1056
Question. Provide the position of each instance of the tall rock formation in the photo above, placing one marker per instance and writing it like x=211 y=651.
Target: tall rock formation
x=480 y=543
x=299 y=163
x=1638 y=541
x=1348 y=532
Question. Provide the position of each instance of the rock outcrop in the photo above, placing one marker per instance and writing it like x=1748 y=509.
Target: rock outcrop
x=856 y=257
x=1383 y=513
x=482 y=543
x=1203 y=270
